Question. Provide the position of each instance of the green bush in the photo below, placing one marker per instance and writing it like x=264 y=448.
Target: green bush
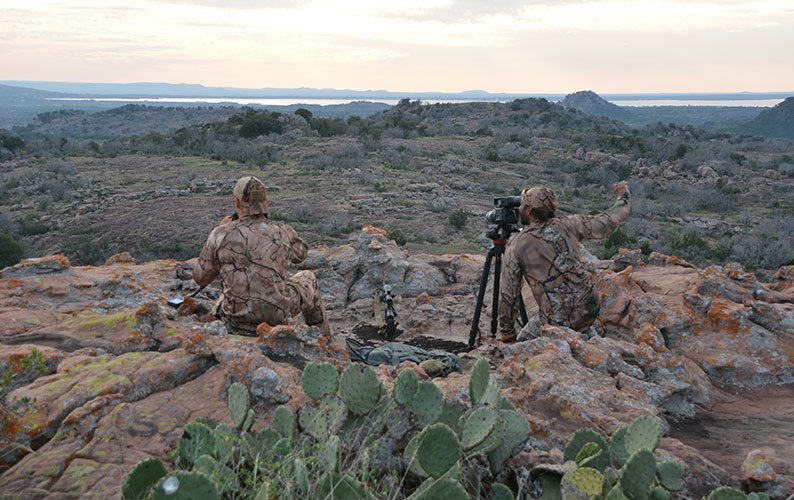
x=458 y=218
x=11 y=251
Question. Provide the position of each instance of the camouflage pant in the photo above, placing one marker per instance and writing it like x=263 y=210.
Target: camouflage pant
x=305 y=298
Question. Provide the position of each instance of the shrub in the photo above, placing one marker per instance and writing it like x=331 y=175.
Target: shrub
x=398 y=236
x=11 y=251
x=458 y=218
x=616 y=240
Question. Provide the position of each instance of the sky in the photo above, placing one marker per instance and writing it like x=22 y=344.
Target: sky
x=530 y=46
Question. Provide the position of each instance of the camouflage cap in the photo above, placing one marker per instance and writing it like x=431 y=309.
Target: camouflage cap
x=539 y=197
x=252 y=195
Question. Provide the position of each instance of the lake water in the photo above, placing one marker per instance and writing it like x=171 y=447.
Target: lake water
x=326 y=102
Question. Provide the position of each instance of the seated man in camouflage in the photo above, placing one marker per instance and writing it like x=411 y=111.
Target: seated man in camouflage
x=252 y=257
x=546 y=253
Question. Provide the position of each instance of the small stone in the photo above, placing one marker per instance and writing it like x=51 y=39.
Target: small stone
x=756 y=467
x=266 y=386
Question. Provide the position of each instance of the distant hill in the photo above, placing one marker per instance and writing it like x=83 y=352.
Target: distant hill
x=591 y=103
x=21 y=92
x=774 y=122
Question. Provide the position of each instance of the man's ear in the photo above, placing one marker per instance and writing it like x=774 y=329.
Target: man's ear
x=237 y=204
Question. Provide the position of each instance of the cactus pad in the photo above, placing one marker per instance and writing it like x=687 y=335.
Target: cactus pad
x=670 y=475
x=405 y=386
x=239 y=403
x=428 y=403
x=478 y=382
x=249 y=420
x=185 y=486
x=319 y=379
x=301 y=476
x=479 y=424
x=501 y=492
x=283 y=422
x=332 y=453
x=225 y=479
x=643 y=433
x=638 y=474
x=546 y=486
x=659 y=493
x=196 y=440
x=617 y=445
x=516 y=433
x=141 y=479
x=359 y=388
x=411 y=455
x=324 y=420
x=450 y=415
x=579 y=440
x=438 y=450
x=726 y=493
x=339 y=487
x=582 y=484
x=224 y=441
x=615 y=494
x=447 y=489
x=494 y=439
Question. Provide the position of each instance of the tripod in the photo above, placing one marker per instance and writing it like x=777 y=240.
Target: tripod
x=499 y=236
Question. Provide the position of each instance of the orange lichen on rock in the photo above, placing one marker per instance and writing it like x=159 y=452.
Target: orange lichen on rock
x=263 y=329
x=374 y=231
x=726 y=316
x=188 y=307
x=120 y=258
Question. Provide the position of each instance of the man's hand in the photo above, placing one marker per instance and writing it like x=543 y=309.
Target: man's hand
x=226 y=220
x=621 y=190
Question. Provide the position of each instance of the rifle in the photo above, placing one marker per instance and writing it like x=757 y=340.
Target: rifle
x=385 y=314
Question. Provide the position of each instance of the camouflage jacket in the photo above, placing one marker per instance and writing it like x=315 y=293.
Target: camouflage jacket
x=252 y=257
x=548 y=256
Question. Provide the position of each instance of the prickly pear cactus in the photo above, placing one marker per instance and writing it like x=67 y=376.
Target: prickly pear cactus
x=582 y=484
x=670 y=474
x=516 y=434
x=478 y=383
x=359 y=388
x=643 y=433
x=185 y=486
x=301 y=476
x=225 y=442
x=726 y=493
x=143 y=476
x=319 y=379
x=428 y=403
x=340 y=487
x=332 y=453
x=639 y=474
x=283 y=422
x=579 y=440
x=405 y=387
x=479 y=424
x=239 y=403
x=501 y=492
x=196 y=440
x=438 y=450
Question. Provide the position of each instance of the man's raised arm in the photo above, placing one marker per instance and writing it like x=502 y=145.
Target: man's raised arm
x=596 y=227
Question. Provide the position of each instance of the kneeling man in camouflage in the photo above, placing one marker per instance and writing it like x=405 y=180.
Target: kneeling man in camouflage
x=252 y=254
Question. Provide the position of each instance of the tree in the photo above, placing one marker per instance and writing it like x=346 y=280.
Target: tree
x=305 y=114
x=458 y=218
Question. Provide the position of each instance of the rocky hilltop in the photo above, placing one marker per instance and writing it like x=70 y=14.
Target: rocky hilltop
x=591 y=103
x=98 y=372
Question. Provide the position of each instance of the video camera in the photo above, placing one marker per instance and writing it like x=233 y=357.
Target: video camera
x=504 y=216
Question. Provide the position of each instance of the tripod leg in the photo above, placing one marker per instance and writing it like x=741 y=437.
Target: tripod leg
x=475 y=323
x=524 y=317
x=497 y=274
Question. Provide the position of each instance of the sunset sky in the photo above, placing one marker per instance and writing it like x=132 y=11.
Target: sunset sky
x=416 y=45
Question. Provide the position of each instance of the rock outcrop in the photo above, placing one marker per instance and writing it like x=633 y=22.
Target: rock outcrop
x=98 y=372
